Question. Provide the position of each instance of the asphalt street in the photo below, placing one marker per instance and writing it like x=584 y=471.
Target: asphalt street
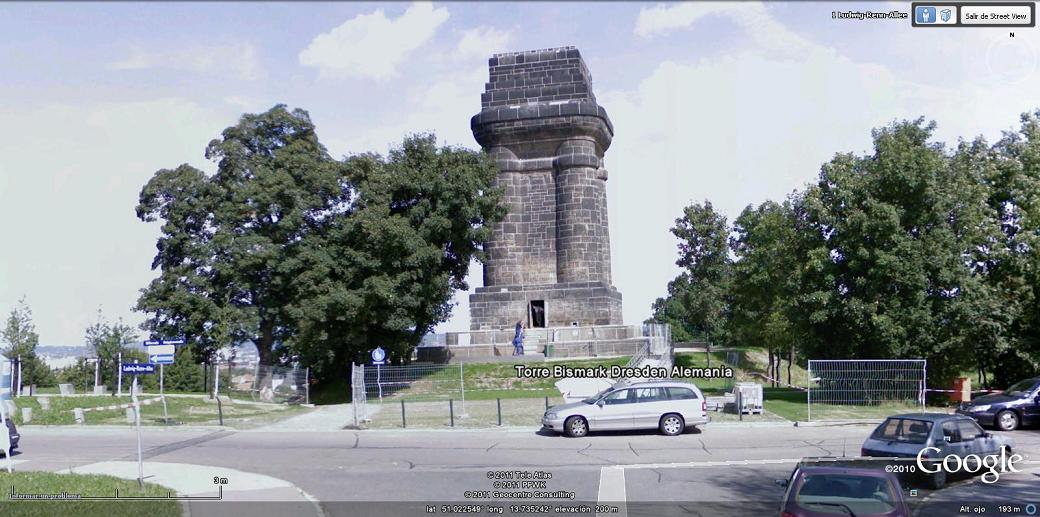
x=717 y=471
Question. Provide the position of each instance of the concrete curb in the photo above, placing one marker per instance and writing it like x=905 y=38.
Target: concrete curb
x=144 y=428
x=190 y=479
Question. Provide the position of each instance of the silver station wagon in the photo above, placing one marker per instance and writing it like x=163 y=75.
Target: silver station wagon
x=670 y=406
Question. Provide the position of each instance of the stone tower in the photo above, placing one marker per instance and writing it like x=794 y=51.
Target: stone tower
x=549 y=260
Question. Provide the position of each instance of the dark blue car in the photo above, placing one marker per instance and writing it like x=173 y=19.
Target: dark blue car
x=1018 y=406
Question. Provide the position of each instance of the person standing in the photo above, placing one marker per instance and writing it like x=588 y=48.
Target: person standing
x=518 y=340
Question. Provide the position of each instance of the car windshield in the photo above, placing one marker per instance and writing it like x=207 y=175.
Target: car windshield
x=903 y=430
x=1022 y=388
x=594 y=398
x=847 y=494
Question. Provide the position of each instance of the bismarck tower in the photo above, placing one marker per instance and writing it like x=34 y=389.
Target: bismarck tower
x=549 y=259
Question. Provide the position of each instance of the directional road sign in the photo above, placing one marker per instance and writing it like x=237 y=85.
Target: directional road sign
x=160 y=358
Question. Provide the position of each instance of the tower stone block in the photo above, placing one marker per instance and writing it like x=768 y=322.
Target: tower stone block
x=549 y=259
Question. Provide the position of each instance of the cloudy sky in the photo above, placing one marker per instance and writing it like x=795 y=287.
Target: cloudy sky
x=734 y=102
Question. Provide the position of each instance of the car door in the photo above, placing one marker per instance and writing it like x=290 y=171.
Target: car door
x=975 y=439
x=616 y=411
x=952 y=443
x=1031 y=408
x=651 y=403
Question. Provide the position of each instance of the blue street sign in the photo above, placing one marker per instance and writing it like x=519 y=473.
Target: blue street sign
x=138 y=368
x=379 y=356
x=161 y=359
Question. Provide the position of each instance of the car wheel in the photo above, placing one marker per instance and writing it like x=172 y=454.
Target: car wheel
x=937 y=480
x=576 y=427
x=1007 y=420
x=672 y=424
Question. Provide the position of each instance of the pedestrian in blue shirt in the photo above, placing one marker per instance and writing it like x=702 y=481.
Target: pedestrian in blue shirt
x=518 y=340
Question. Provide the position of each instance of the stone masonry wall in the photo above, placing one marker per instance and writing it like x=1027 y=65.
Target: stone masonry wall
x=541 y=124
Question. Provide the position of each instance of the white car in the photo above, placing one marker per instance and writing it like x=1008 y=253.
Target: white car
x=671 y=406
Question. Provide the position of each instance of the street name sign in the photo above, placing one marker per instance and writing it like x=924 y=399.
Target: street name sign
x=138 y=368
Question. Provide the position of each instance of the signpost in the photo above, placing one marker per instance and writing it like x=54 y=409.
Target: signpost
x=378 y=359
x=137 y=423
x=161 y=352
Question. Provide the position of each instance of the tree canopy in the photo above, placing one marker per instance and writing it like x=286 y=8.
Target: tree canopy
x=913 y=250
x=312 y=257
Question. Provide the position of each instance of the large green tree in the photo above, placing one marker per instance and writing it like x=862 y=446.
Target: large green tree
x=228 y=251
x=327 y=258
x=1004 y=327
x=384 y=275
x=898 y=226
x=767 y=280
x=698 y=301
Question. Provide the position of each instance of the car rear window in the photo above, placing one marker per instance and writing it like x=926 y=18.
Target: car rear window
x=903 y=430
x=681 y=393
x=841 y=493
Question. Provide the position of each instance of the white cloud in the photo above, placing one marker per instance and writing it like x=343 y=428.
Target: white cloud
x=765 y=32
x=481 y=42
x=238 y=59
x=372 y=45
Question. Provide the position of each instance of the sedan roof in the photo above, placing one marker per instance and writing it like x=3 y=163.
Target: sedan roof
x=930 y=417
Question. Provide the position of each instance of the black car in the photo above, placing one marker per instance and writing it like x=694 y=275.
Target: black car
x=1018 y=406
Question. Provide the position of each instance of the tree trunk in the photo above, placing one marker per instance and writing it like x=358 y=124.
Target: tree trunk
x=790 y=363
x=265 y=354
x=771 y=368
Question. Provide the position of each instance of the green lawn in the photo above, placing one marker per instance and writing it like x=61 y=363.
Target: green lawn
x=82 y=485
x=181 y=410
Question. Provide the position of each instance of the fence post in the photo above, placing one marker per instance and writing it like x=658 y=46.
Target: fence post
x=404 y=423
x=462 y=388
x=451 y=410
x=499 y=402
x=740 y=404
x=307 y=386
x=546 y=402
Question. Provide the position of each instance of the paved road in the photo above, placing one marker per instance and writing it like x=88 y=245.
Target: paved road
x=719 y=471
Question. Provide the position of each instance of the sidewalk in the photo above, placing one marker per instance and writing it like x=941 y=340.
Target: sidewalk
x=323 y=418
x=245 y=493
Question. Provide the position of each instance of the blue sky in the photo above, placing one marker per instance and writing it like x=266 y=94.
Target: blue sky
x=735 y=102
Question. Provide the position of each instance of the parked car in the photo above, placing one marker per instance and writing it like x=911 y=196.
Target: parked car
x=12 y=432
x=905 y=436
x=670 y=406
x=816 y=491
x=1018 y=406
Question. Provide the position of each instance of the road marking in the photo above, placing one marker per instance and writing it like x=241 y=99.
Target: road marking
x=612 y=490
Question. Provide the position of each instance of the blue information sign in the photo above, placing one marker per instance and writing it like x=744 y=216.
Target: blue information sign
x=378 y=356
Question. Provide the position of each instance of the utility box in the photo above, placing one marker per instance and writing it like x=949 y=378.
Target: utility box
x=750 y=397
x=961 y=390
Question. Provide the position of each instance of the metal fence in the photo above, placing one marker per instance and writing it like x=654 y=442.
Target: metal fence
x=263 y=383
x=886 y=384
x=470 y=394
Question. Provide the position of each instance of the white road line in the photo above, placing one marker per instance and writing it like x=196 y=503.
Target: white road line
x=612 y=490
